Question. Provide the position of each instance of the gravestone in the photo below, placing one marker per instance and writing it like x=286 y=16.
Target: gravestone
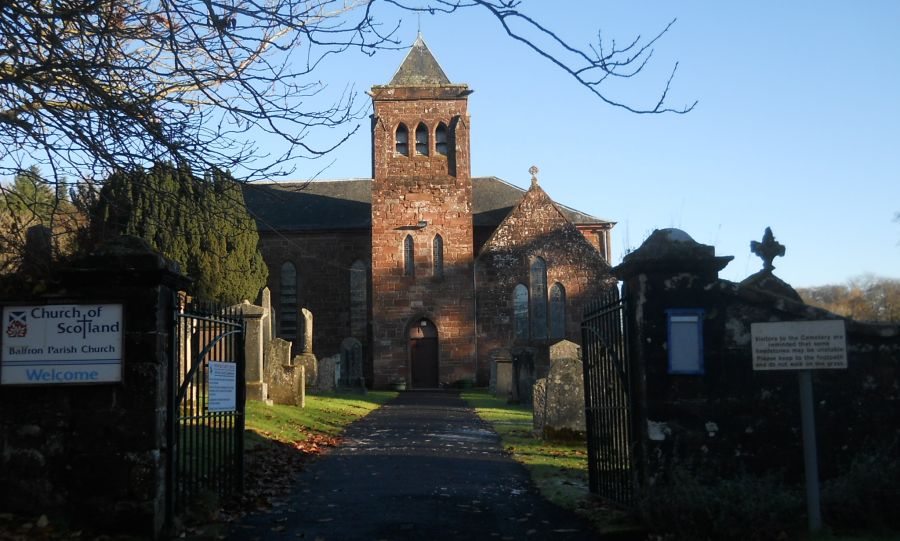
x=351 y=363
x=559 y=413
x=285 y=381
x=328 y=372
x=307 y=359
x=501 y=373
x=523 y=375
x=539 y=403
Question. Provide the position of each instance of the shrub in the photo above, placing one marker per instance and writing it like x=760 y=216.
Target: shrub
x=745 y=507
x=867 y=496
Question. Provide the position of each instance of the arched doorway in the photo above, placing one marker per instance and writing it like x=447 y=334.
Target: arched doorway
x=423 y=354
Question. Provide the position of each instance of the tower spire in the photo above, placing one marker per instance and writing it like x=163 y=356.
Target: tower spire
x=419 y=67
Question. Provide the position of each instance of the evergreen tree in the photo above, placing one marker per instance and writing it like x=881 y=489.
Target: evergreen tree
x=202 y=224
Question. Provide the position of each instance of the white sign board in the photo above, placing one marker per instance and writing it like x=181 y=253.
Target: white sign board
x=61 y=343
x=222 y=384
x=799 y=345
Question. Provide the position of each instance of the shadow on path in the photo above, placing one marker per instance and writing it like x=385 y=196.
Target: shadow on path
x=423 y=466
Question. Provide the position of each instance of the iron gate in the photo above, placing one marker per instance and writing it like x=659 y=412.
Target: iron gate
x=205 y=421
x=607 y=396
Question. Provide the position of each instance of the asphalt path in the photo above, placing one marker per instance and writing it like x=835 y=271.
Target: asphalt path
x=422 y=467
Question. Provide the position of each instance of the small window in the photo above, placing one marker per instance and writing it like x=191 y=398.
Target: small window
x=402 y=140
x=438 y=256
x=520 y=311
x=409 y=257
x=422 y=140
x=557 y=311
x=440 y=139
x=539 y=299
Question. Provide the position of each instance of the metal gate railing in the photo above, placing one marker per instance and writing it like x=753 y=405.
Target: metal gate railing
x=607 y=396
x=207 y=390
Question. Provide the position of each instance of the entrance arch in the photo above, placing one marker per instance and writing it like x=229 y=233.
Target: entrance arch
x=423 y=354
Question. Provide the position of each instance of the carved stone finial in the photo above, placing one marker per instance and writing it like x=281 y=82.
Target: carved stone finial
x=534 y=171
x=767 y=250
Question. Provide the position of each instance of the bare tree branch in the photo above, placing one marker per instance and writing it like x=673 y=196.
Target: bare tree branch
x=88 y=87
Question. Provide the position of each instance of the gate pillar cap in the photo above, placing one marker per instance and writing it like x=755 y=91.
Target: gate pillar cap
x=671 y=251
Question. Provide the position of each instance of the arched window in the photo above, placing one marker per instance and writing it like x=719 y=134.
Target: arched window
x=401 y=139
x=358 y=299
x=287 y=301
x=409 y=257
x=538 y=299
x=557 y=311
x=440 y=139
x=422 y=139
x=437 y=256
x=520 y=311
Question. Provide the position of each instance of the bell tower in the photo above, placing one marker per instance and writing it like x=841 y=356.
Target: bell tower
x=422 y=252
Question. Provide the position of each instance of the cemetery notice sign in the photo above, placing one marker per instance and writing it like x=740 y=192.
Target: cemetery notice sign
x=799 y=345
x=62 y=343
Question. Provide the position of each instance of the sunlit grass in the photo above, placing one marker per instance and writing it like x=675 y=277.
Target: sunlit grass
x=325 y=414
x=558 y=469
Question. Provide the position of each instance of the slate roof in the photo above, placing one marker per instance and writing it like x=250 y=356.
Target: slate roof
x=419 y=68
x=347 y=204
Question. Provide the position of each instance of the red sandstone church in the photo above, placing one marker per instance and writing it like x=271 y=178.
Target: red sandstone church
x=426 y=270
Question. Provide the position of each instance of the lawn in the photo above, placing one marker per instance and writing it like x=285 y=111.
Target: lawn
x=325 y=415
x=558 y=469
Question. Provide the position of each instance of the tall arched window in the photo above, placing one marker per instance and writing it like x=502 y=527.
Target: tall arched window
x=422 y=139
x=401 y=139
x=409 y=257
x=520 y=311
x=437 y=256
x=287 y=302
x=557 y=311
x=440 y=140
x=358 y=299
x=538 y=299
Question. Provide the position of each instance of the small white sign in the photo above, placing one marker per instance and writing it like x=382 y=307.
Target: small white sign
x=222 y=387
x=799 y=345
x=61 y=343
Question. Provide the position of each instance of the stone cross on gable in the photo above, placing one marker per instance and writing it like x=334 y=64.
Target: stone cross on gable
x=534 y=171
x=768 y=249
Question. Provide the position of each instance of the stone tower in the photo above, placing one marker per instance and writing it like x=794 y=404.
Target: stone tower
x=423 y=296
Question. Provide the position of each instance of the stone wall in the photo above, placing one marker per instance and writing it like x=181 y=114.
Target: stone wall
x=97 y=453
x=731 y=418
x=323 y=261
x=435 y=190
x=535 y=228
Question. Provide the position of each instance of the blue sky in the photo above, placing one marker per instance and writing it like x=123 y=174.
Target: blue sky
x=797 y=125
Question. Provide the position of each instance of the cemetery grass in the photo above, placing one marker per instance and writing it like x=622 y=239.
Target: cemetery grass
x=558 y=469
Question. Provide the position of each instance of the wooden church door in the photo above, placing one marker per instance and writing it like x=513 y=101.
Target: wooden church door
x=423 y=355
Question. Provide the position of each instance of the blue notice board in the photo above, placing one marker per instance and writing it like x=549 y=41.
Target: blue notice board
x=685 y=340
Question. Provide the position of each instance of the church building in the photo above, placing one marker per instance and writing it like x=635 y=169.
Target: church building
x=423 y=269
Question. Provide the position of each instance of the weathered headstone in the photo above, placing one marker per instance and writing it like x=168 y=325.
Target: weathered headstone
x=562 y=415
x=307 y=359
x=311 y=366
x=265 y=300
x=285 y=381
x=539 y=402
x=306 y=318
x=523 y=375
x=352 y=363
x=501 y=373
x=328 y=373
